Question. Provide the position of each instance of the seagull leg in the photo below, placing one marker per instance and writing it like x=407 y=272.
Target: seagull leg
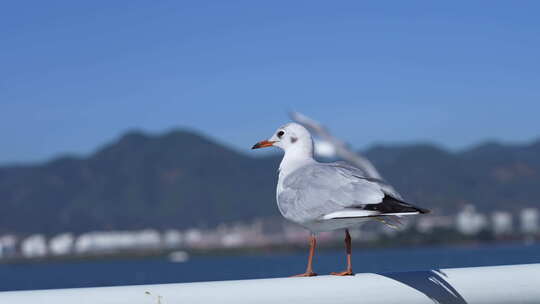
x=349 y=251
x=309 y=271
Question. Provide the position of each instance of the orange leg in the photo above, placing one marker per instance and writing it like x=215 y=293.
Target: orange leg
x=309 y=271
x=348 y=247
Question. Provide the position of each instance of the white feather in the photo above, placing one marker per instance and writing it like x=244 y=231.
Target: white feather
x=348 y=213
x=345 y=213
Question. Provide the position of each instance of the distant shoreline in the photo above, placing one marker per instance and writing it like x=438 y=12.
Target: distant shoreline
x=198 y=252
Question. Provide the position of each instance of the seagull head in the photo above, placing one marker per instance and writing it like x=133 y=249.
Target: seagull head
x=289 y=137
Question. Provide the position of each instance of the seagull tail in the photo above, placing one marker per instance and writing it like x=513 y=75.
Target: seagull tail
x=391 y=221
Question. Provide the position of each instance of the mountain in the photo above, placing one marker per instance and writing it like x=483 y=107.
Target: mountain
x=490 y=176
x=179 y=179
x=182 y=179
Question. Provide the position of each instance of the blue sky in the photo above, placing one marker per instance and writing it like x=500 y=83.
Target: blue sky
x=77 y=74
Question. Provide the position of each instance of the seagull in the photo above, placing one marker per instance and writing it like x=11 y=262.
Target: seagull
x=329 y=196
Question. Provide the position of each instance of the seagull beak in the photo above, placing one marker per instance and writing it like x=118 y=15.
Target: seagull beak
x=263 y=144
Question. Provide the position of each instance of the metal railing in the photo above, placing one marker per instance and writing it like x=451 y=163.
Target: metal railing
x=493 y=285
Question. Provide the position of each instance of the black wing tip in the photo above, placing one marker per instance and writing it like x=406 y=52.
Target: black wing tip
x=419 y=209
x=423 y=211
x=393 y=205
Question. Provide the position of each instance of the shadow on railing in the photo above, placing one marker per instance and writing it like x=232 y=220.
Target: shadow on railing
x=432 y=283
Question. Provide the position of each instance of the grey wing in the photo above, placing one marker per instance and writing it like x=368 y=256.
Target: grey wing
x=360 y=173
x=313 y=191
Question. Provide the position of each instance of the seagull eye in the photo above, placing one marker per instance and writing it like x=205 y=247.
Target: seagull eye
x=280 y=133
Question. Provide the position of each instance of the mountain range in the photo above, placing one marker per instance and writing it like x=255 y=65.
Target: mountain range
x=183 y=179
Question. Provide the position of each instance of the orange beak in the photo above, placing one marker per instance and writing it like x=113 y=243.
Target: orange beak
x=263 y=144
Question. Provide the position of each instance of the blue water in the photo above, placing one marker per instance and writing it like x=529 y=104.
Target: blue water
x=210 y=268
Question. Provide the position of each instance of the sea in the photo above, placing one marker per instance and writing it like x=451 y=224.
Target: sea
x=115 y=272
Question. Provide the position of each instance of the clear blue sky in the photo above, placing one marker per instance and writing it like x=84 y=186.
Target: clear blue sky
x=77 y=74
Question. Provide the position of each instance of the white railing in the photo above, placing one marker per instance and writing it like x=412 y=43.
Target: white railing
x=486 y=285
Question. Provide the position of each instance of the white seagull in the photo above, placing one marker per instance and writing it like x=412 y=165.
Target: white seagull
x=328 y=196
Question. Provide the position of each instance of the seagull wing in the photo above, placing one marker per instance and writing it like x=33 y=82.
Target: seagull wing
x=313 y=191
x=360 y=173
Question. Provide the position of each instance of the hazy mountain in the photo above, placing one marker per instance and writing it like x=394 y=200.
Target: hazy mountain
x=182 y=179
x=489 y=176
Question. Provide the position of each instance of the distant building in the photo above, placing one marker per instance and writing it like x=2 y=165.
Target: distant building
x=529 y=219
x=112 y=241
x=148 y=238
x=501 y=222
x=34 y=246
x=426 y=224
x=193 y=237
x=8 y=246
x=61 y=244
x=172 y=238
x=233 y=239
x=469 y=222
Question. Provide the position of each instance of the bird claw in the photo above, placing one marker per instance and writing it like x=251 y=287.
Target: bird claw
x=343 y=273
x=306 y=274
